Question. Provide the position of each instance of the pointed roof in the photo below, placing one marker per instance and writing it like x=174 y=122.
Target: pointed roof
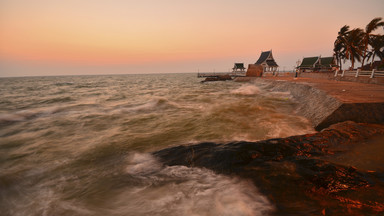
x=267 y=58
x=309 y=61
x=327 y=61
x=263 y=57
x=239 y=66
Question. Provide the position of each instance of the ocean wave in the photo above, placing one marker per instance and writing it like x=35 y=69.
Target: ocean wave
x=280 y=94
x=281 y=125
x=64 y=83
x=141 y=164
x=246 y=90
x=57 y=100
x=28 y=114
x=180 y=190
x=24 y=115
x=145 y=187
x=151 y=105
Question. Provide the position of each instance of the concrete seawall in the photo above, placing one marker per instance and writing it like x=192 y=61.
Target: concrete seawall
x=326 y=102
x=331 y=76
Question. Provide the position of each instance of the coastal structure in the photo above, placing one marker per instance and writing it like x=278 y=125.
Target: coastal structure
x=254 y=70
x=329 y=102
x=317 y=63
x=238 y=67
x=267 y=61
x=378 y=65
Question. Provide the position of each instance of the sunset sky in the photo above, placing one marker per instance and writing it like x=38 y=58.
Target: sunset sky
x=66 y=37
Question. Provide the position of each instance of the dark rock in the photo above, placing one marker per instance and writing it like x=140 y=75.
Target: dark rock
x=293 y=171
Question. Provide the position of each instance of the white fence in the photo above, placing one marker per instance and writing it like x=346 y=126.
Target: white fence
x=357 y=73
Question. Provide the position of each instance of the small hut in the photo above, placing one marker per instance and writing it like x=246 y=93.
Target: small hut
x=238 y=67
x=327 y=63
x=309 y=64
x=317 y=63
x=267 y=61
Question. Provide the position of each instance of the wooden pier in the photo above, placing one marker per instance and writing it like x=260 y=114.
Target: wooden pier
x=219 y=74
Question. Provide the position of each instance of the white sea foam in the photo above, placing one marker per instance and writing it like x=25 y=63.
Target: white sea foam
x=280 y=94
x=247 y=90
x=180 y=190
x=153 y=104
x=286 y=126
x=140 y=164
x=23 y=115
x=151 y=114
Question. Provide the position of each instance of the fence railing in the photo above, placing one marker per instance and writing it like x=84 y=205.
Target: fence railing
x=360 y=73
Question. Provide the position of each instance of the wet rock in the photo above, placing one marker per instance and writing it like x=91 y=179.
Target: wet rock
x=293 y=172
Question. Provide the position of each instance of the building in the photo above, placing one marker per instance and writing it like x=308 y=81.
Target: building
x=238 y=66
x=378 y=65
x=267 y=61
x=317 y=63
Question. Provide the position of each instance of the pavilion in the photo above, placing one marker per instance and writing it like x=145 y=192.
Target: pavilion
x=317 y=63
x=238 y=66
x=267 y=61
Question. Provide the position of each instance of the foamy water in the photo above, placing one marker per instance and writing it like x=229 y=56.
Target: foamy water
x=78 y=145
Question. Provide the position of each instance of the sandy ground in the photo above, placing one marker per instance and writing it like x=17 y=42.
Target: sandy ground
x=347 y=92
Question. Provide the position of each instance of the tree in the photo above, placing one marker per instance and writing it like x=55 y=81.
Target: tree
x=354 y=45
x=338 y=53
x=368 y=33
x=377 y=44
x=340 y=45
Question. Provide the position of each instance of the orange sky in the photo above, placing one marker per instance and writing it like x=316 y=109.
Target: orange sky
x=154 y=36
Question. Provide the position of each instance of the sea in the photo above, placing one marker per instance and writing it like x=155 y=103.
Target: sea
x=81 y=145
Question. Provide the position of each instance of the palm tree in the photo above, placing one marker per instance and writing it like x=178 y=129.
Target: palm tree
x=372 y=26
x=377 y=44
x=354 y=45
x=340 y=45
x=338 y=53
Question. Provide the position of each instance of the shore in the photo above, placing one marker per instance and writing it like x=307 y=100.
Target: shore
x=325 y=173
x=325 y=102
x=346 y=92
x=336 y=171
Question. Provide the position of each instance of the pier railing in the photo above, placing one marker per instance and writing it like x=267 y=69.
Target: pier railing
x=360 y=73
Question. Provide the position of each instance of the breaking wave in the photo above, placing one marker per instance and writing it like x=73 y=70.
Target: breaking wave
x=94 y=123
x=151 y=105
x=247 y=90
x=179 y=190
x=23 y=115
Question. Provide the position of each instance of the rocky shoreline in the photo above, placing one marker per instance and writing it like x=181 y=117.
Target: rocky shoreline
x=295 y=173
x=308 y=174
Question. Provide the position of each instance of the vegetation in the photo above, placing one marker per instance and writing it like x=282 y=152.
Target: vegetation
x=359 y=45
